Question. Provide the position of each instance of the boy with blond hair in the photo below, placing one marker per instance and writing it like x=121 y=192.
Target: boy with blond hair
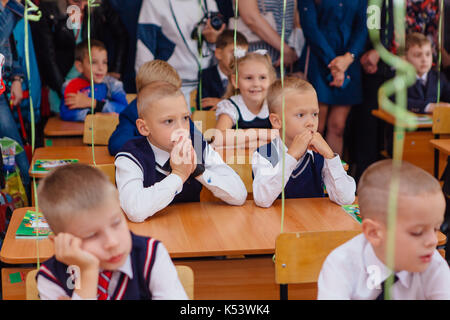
x=422 y=96
x=309 y=161
x=96 y=256
x=358 y=269
x=155 y=70
x=171 y=161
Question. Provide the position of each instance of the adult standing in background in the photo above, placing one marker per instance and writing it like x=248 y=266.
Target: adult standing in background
x=13 y=75
x=56 y=34
x=251 y=12
x=335 y=33
x=167 y=31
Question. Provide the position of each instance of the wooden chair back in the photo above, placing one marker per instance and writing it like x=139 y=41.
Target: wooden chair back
x=186 y=276
x=206 y=118
x=32 y=292
x=441 y=120
x=299 y=255
x=130 y=97
x=104 y=125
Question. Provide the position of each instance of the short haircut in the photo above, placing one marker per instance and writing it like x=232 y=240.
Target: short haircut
x=250 y=56
x=157 y=70
x=72 y=189
x=82 y=49
x=416 y=39
x=155 y=91
x=227 y=37
x=274 y=94
x=373 y=187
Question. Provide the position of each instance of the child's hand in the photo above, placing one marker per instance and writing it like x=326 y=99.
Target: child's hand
x=208 y=102
x=68 y=251
x=183 y=158
x=78 y=100
x=434 y=105
x=338 y=78
x=300 y=143
x=319 y=145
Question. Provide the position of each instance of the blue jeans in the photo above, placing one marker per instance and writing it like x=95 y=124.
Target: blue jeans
x=8 y=128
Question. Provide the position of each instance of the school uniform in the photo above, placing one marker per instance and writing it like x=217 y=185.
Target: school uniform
x=236 y=109
x=353 y=271
x=214 y=82
x=304 y=178
x=146 y=184
x=148 y=273
x=424 y=92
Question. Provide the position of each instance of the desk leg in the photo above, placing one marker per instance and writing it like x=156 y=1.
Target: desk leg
x=252 y=278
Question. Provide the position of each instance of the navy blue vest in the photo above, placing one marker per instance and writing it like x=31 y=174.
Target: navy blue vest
x=256 y=123
x=142 y=261
x=306 y=180
x=143 y=153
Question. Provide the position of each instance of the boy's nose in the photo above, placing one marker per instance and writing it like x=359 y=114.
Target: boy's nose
x=110 y=240
x=431 y=240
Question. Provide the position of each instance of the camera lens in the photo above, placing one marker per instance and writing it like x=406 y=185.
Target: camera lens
x=216 y=21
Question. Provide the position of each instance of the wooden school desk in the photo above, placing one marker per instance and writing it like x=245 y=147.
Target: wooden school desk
x=82 y=153
x=417 y=149
x=63 y=133
x=442 y=144
x=202 y=234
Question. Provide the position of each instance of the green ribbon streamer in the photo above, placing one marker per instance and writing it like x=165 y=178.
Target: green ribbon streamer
x=405 y=77
x=283 y=28
x=91 y=3
x=31 y=13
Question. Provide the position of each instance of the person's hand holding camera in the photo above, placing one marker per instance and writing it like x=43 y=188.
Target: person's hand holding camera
x=211 y=34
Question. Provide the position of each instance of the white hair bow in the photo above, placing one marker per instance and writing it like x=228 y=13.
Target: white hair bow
x=262 y=52
x=239 y=52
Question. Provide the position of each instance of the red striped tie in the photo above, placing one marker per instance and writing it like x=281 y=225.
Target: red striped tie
x=103 y=282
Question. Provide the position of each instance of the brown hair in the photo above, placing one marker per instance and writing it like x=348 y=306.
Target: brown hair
x=290 y=84
x=155 y=91
x=82 y=49
x=250 y=56
x=415 y=39
x=72 y=189
x=156 y=70
x=373 y=186
x=227 y=37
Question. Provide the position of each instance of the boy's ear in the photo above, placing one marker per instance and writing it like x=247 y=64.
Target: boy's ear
x=275 y=121
x=373 y=231
x=79 y=66
x=218 y=54
x=142 y=127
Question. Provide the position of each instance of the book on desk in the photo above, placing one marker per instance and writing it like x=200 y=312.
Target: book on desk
x=45 y=165
x=353 y=211
x=33 y=225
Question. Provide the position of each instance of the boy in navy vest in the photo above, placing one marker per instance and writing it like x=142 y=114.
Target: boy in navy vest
x=214 y=80
x=309 y=161
x=172 y=161
x=422 y=96
x=96 y=256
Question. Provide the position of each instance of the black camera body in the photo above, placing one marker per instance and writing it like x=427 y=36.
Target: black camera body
x=216 y=20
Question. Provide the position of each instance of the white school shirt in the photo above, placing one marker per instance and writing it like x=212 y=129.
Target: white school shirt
x=353 y=271
x=226 y=107
x=139 y=203
x=267 y=182
x=164 y=282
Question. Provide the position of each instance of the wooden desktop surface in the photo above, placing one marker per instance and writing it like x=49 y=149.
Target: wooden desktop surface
x=442 y=144
x=57 y=127
x=203 y=229
x=384 y=115
x=82 y=153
